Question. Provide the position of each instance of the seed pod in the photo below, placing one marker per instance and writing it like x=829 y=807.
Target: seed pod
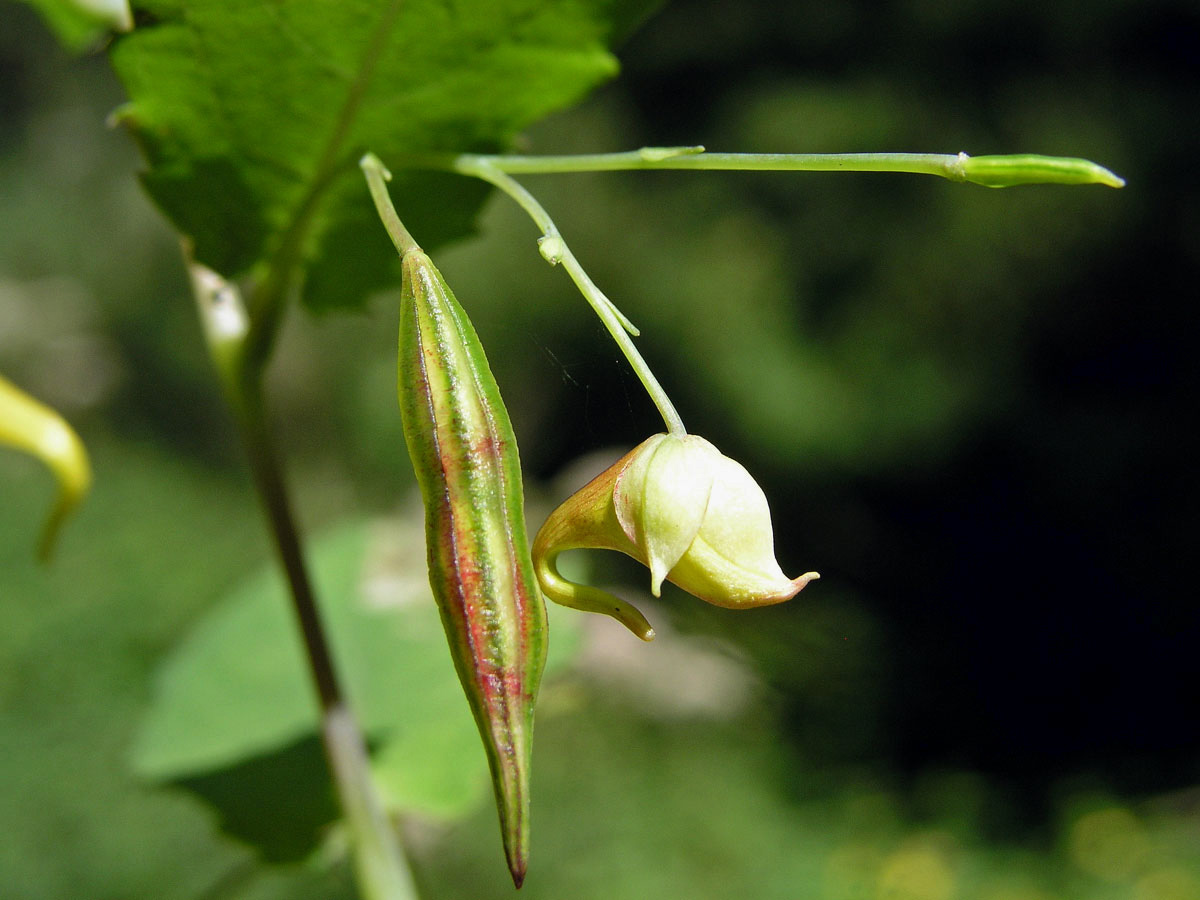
x=1027 y=168
x=465 y=456
x=38 y=430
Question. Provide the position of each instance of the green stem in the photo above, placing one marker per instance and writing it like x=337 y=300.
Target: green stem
x=993 y=171
x=697 y=158
x=377 y=177
x=381 y=869
x=555 y=250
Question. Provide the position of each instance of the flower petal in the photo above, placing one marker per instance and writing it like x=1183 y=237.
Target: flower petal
x=587 y=519
x=661 y=499
x=732 y=560
x=739 y=519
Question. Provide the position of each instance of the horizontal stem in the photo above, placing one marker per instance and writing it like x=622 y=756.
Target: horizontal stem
x=993 y=171
x=696 y=158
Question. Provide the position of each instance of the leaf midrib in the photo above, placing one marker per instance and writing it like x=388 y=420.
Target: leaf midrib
x=286 y=257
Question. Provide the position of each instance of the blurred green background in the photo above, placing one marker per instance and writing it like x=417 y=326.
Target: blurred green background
x=969 y=408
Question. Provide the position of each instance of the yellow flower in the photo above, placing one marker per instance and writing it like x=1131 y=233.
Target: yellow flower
x=34 y=428
x=695 y=517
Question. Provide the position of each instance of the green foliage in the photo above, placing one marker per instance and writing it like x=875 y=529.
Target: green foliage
x=256 y=163
x=77 y=649
x=236 y=689
x=735 y=815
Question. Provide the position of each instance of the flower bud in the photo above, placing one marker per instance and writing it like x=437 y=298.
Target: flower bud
x=692 y=515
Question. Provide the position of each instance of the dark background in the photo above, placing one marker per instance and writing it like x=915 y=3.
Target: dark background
x=1030 y=575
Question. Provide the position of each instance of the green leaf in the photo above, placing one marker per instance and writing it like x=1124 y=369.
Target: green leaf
x=237 y=688
x=256 y=162
x=279 y=802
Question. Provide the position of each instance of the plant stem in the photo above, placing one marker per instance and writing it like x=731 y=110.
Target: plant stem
x=555 y=250
x=377 y=177
x=697 y=158
x=379 y=863
x=992 y=171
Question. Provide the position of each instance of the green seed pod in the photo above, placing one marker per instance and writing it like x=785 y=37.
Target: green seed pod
x=465 y=456
x=1028 y=168
x=38 y=430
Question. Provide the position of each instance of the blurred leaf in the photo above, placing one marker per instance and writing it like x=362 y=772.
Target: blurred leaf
x=253 y=161
x=79 y=24
x=433 y=766
x=633 y=807
x=77 y=647
x=302 y=804
x=237 y=686
x=236 y=692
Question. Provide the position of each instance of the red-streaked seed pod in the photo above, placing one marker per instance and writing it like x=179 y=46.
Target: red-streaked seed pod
x=465 y=456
